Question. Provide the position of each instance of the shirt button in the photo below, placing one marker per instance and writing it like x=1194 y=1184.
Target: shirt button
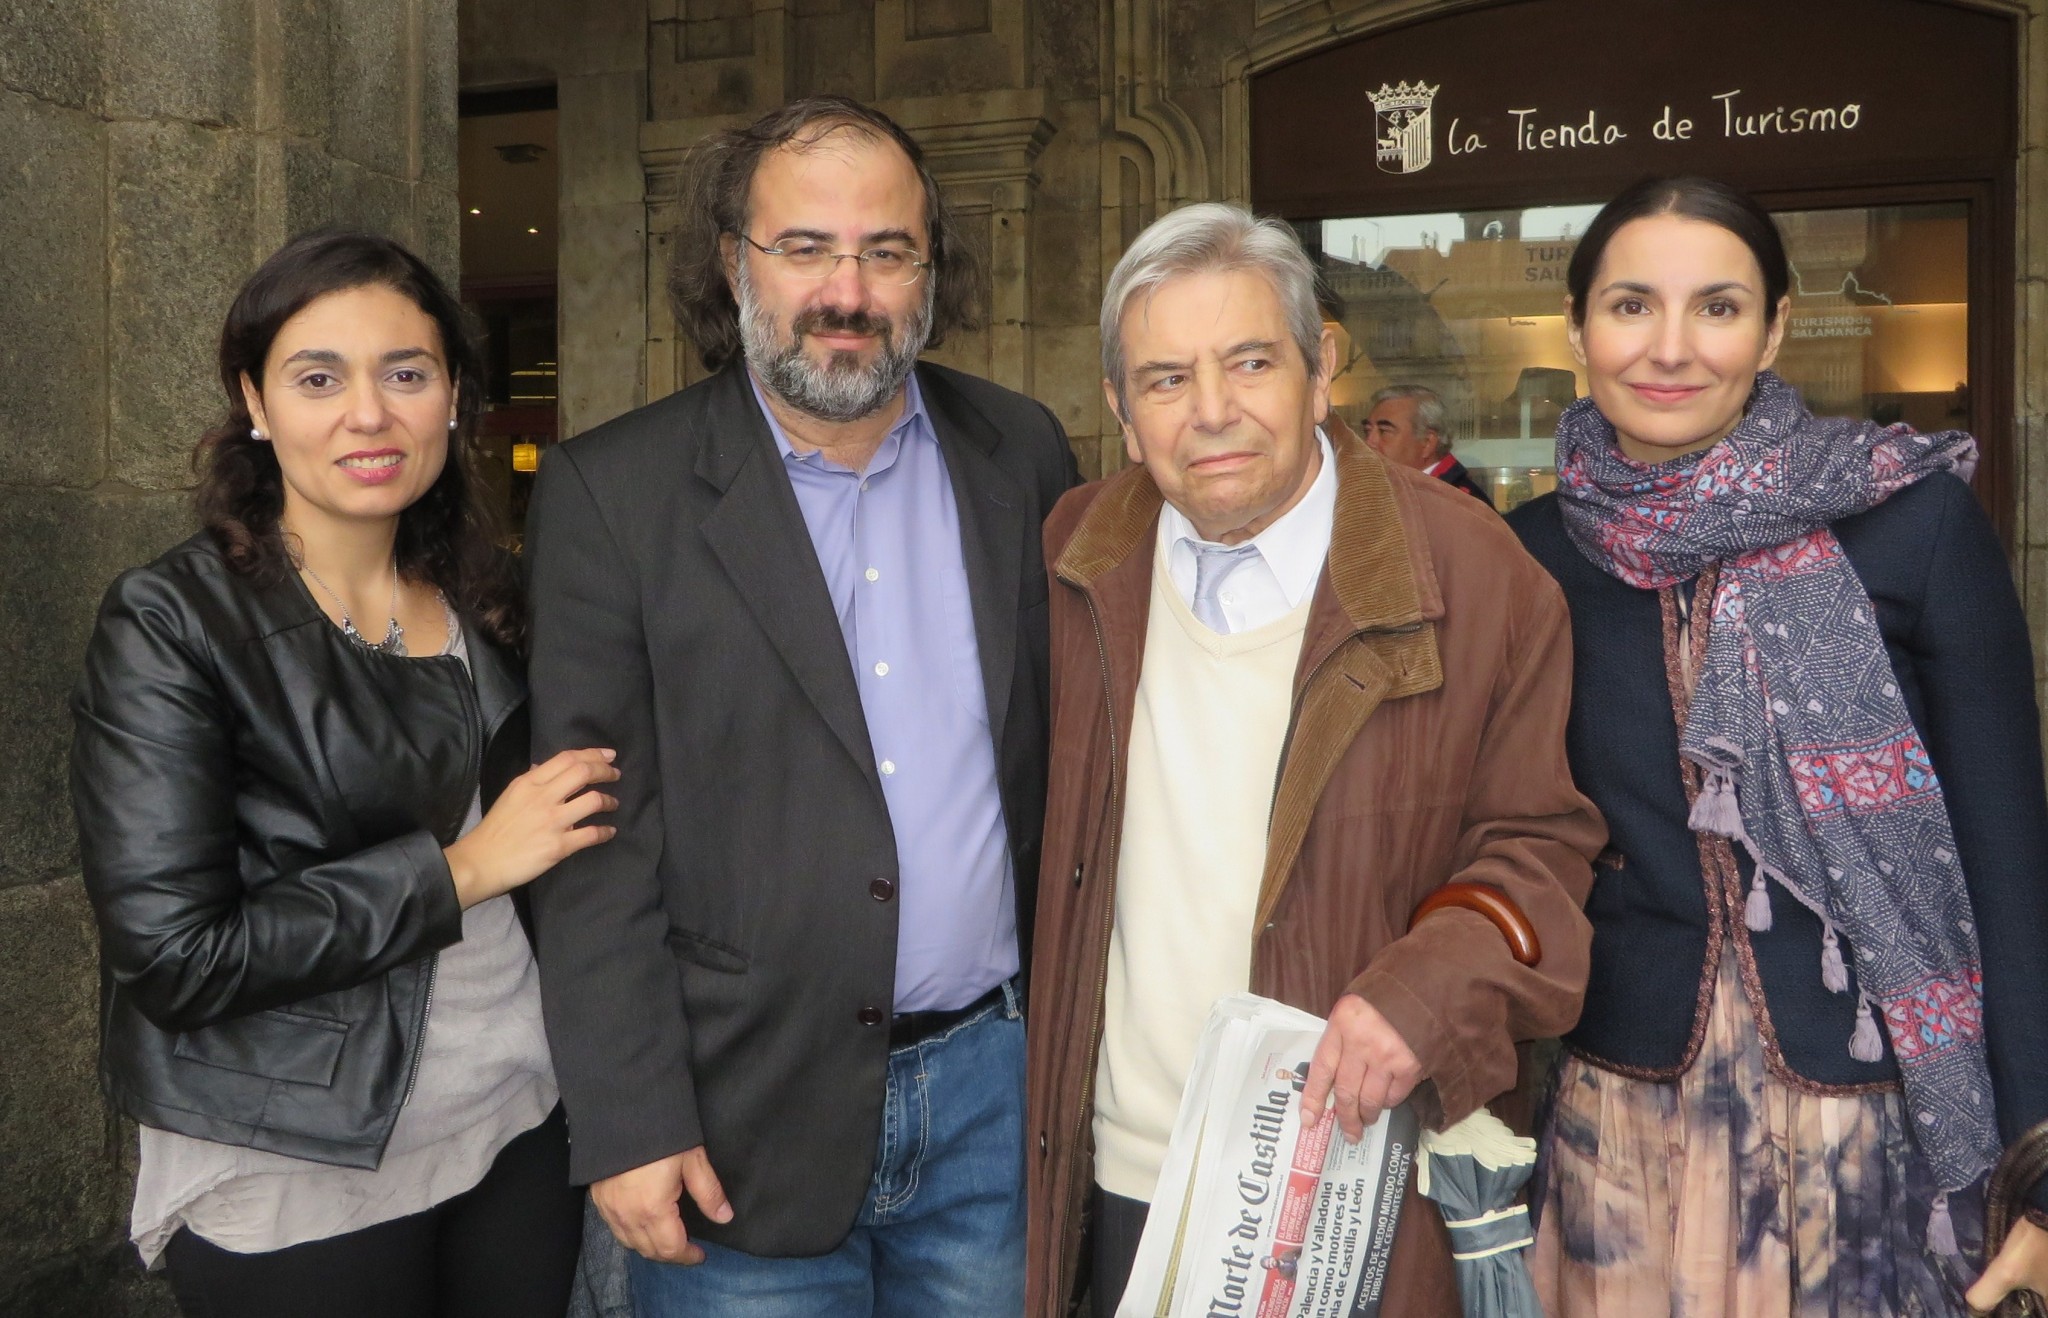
x=881 y=670
x=871 y=1016
x=888 y=766
x=874 y=575
x=1229 y=597
x=881 y=889
x=863 y=486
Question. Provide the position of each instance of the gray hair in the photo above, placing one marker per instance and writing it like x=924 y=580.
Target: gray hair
x=1212 y=236
x=1429 y=409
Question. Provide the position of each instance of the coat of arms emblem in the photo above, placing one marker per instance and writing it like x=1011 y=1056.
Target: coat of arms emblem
x=1401 y=126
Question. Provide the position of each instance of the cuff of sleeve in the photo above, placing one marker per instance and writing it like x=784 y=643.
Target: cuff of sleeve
x=434 y=887
x=605 y=1144
x=1426 y=1036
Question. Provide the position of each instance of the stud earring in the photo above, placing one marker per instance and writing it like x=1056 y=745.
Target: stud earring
x=451 y=423
x=254 y=433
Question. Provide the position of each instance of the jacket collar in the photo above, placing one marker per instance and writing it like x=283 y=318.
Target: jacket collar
x=757 y=532
x=284 y=604
x=1377 y=577
x=1370 y=632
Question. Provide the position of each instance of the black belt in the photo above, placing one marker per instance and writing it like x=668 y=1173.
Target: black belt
x=909 y=1027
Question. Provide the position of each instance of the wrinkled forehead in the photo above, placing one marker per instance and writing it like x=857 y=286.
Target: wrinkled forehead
x=1400 y=411
x=847 y=182
x=1204 y=313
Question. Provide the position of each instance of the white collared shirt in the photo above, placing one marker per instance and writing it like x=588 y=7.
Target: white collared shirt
x=1271 y=583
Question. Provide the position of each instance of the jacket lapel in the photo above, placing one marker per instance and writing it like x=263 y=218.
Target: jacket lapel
x=758 y=535
x=1371 y=637
x=1109 y=558
x=992 y=530
x=1371 y=633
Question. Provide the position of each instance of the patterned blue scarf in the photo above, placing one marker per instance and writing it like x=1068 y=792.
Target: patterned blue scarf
x=1810 y=758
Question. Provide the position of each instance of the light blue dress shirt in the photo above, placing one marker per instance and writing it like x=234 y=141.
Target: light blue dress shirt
x=889 y=542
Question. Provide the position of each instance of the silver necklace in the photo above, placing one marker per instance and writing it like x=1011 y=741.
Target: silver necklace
x=394 y=635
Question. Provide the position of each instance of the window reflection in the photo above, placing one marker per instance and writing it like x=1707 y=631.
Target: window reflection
x=1471 y=304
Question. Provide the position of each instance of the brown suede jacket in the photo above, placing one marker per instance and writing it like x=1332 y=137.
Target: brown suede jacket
x=1427 y=745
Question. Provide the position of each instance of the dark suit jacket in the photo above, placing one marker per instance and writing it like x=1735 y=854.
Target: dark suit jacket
x=1459 y=477
x=719 y=973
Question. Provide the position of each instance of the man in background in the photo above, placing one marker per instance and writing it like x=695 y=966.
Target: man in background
x=1408 y=425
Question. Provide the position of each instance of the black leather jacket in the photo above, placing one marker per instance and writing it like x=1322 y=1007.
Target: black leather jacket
x=261 y=809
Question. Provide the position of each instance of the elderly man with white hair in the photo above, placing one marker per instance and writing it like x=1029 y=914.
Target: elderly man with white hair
x=1408 y=424
x=1297 y=690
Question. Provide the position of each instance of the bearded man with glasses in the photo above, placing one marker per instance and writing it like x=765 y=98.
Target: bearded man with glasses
x=804 y=600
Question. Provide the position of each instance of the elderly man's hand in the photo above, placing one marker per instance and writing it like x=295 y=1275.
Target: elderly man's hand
x=1361 y=1068
x=2022 y=1263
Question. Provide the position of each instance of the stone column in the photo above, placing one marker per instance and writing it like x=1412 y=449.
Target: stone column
x=153 y=152
x=602 y=91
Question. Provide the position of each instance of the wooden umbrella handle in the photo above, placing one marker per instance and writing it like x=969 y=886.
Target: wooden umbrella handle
x=1496 y=906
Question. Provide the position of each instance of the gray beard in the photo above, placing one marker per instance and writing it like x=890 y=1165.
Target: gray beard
x=841 y=389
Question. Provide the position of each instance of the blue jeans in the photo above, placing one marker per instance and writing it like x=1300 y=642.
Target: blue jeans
x=942 y=1228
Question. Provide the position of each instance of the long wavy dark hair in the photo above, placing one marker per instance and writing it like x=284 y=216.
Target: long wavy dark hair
x=448 y=538
x=718 y=176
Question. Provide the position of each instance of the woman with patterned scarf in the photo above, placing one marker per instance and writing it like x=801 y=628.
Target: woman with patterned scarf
x=1804 y=701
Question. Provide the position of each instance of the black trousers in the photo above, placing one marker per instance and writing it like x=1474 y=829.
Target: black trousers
x=504 y=1249
x=1119 y=1222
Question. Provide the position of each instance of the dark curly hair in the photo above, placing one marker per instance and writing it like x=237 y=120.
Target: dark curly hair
x=448 y=538
x=717 y=178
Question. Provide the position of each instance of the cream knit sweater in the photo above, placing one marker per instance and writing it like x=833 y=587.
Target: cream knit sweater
x=1206 y=737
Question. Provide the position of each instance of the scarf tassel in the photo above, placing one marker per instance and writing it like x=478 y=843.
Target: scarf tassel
x=1833 y=973
x=1941 y=1228
x=1715 y=810
x=1756 y=911
x=1866 y=1044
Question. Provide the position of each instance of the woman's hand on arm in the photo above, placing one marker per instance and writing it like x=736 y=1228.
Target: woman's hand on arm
x=537 y=821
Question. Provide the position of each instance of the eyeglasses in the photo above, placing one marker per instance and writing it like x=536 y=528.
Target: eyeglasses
x=878 y=265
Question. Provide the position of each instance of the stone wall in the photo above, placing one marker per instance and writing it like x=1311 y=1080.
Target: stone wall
x=153 y=152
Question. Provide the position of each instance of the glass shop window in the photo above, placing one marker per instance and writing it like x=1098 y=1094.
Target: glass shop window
x=1471 y=304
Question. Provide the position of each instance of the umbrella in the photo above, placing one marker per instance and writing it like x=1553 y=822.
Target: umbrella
x=1473 y=1172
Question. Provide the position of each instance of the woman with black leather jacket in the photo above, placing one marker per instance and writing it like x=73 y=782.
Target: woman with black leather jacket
x=318 y=997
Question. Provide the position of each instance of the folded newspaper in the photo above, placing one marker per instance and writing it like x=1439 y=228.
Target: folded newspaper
x=1257 y=1215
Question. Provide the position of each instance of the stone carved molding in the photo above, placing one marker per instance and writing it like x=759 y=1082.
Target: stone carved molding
x=1151 y=157
x=983 y=148
x=991 y=54
x=1144 y=124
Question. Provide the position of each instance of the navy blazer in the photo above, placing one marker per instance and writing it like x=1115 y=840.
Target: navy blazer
x=1957 y=638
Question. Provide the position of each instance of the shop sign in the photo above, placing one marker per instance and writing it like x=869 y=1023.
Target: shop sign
x=1575 y=97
